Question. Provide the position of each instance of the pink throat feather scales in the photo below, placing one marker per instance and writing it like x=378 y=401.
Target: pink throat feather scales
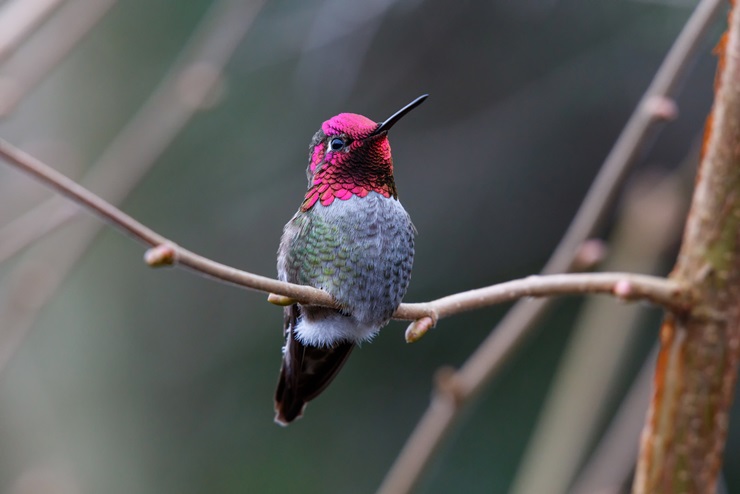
x=365 y=167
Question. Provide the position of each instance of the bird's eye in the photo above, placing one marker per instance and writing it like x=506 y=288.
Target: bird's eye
x=336 y=144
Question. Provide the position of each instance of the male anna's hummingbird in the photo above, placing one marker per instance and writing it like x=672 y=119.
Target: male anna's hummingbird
x=352 y=238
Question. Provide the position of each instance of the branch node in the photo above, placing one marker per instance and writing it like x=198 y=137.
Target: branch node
x=161 y=255
x=589 y=254
x=418 y=329
x=433 y=315
x=624 y=290
x=280 y=300
x=448 y=385
x=661 y=108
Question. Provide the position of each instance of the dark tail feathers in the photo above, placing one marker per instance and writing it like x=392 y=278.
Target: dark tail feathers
x=306 y=371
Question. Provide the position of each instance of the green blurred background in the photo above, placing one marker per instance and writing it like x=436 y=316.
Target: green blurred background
x=136 y=380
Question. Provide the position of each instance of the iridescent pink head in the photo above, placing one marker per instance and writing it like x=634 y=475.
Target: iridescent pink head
x=351 y=156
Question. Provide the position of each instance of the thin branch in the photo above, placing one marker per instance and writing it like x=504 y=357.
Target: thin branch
x=519 y=322
x=683 y=440
x=650 y=219
x=639 y=129
x=185 y=89
x=623 y=285
x=610 y=465
x=19 y=18
x=19 y=234
x=24 y=71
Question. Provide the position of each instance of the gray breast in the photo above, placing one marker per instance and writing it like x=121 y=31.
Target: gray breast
x=359 y=250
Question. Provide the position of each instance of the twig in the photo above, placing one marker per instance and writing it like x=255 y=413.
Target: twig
x=649 y=220
x=636 y=133
x=18 y=19
x=683 y=441
x=20 y=233
x=609 y=467
x=623 y=285
x=501 y=344
x=185 y=89
x=24 y=71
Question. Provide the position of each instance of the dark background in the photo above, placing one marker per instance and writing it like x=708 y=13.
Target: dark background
x=158 y=381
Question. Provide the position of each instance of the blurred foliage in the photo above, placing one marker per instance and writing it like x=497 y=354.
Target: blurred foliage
x=158 y=381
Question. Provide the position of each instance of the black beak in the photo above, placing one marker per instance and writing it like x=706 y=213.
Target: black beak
x=391 y=121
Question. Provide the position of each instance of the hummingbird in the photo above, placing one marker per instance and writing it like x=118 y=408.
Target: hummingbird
x=351 y=238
